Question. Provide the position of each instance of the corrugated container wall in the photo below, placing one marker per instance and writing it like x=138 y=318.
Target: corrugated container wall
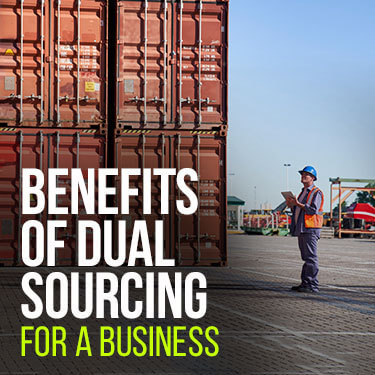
x=43 y=149
x=53 y=63
x=172 y=64
x=198 y=239
x=167 y=108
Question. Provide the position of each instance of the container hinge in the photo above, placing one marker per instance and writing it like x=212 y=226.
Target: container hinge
x=66 y=98
x=156 y=99
x=208 y=101
x=137 y=99
x=172 y=60
x=12 y=96
x=33 y=97
x=188 y=100
x=85 y=98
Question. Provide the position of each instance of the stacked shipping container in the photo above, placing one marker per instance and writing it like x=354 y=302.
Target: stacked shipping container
x=171 y=111
x=53 y=57
x=168 y=98
x=53 y=104
x=172 y=64
x=43 y=149
x=195 y=239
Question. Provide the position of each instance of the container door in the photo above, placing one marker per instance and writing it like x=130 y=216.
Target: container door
x=80 y=62
x=23 y=86
x=144 y=29
x=201 y=237
x=145 y=151
x=31 y=148
x=17 y=150
x=74 y=150
x=201 y=76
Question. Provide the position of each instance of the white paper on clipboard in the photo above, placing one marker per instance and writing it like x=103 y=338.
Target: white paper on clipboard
x=287 y=194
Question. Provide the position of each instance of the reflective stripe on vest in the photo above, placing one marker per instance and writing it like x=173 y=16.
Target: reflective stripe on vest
x=310 y=197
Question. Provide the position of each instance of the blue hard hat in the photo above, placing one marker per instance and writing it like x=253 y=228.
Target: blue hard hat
x=311 y=170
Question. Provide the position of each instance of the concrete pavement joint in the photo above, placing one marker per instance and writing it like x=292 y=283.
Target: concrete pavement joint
x=258 y=320
x=315 y=352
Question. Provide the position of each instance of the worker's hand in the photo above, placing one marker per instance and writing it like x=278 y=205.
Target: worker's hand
x=291 y=201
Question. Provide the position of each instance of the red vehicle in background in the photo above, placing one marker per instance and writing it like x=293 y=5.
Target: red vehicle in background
x=360 y=216
x=362 y=211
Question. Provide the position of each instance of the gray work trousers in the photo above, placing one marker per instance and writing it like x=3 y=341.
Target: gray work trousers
x=308 y=244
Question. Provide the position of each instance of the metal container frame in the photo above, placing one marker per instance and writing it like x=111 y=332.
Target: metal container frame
x=201 y=150
x=40 y=84
x=151 y=96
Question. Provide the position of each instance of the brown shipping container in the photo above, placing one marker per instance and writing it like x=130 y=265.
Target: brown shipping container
x=198 y=239
x=43 y=149
x=172 y=64
x=42 y=44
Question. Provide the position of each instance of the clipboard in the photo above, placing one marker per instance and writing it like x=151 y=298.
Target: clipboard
x=287 y=194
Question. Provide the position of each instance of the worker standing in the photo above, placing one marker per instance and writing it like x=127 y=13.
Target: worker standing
x=307 y=220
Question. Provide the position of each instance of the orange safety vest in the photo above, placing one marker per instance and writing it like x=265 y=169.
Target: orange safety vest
x=314 y=221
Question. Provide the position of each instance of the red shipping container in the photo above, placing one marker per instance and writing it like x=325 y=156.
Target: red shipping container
x=172 y=64
x=43 y=149
x=42 y=44
x=198 y=239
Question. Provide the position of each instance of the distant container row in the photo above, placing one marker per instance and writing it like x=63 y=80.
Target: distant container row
x=198 y=239
x=57 y=63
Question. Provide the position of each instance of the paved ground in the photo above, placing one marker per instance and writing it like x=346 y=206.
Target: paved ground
x=264 y=328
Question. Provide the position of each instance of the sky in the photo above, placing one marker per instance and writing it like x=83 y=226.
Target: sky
x=301 y=92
